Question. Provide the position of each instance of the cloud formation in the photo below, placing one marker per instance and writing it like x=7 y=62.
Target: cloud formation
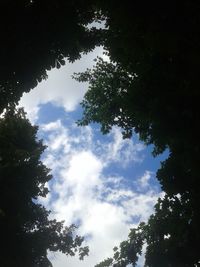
x=84 y=189
x=59 y=89
x=84 y=193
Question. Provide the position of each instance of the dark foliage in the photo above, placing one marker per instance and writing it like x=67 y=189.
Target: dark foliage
x=128 y=251
x=26 y=231
x=36 y=36
x=151 y=85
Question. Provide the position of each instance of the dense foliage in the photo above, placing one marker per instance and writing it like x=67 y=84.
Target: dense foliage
x=151 y=86
x=36 y=36
x=27 y=233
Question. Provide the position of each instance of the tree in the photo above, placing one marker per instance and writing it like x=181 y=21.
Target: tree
x=154 y=75
x=108 y=100
x=38 y=35
x=171 y=236
x=26 y=231
x=150 y=86
x=128 y=251
x=113 y=98
x=172 y=233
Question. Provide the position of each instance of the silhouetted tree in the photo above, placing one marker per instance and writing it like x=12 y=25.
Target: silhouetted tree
x=36 y=36
x=26 y=231
x=114 y=98
x=151 y=86
x=171 y=236
x=128 y=251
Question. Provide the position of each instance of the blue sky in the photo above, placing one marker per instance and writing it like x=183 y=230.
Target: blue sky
x=103 y=183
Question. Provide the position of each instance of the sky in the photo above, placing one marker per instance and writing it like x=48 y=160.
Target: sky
x=102 y=183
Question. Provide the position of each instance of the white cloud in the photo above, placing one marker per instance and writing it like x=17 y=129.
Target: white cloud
x=102 y=205
x=122 y=150
x=144 y=181
x=59 y=89
x=81 y=190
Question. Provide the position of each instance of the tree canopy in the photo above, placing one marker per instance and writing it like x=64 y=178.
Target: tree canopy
x=36 y=36
x=27 y=232
x=150 y=86
x=171 y=236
